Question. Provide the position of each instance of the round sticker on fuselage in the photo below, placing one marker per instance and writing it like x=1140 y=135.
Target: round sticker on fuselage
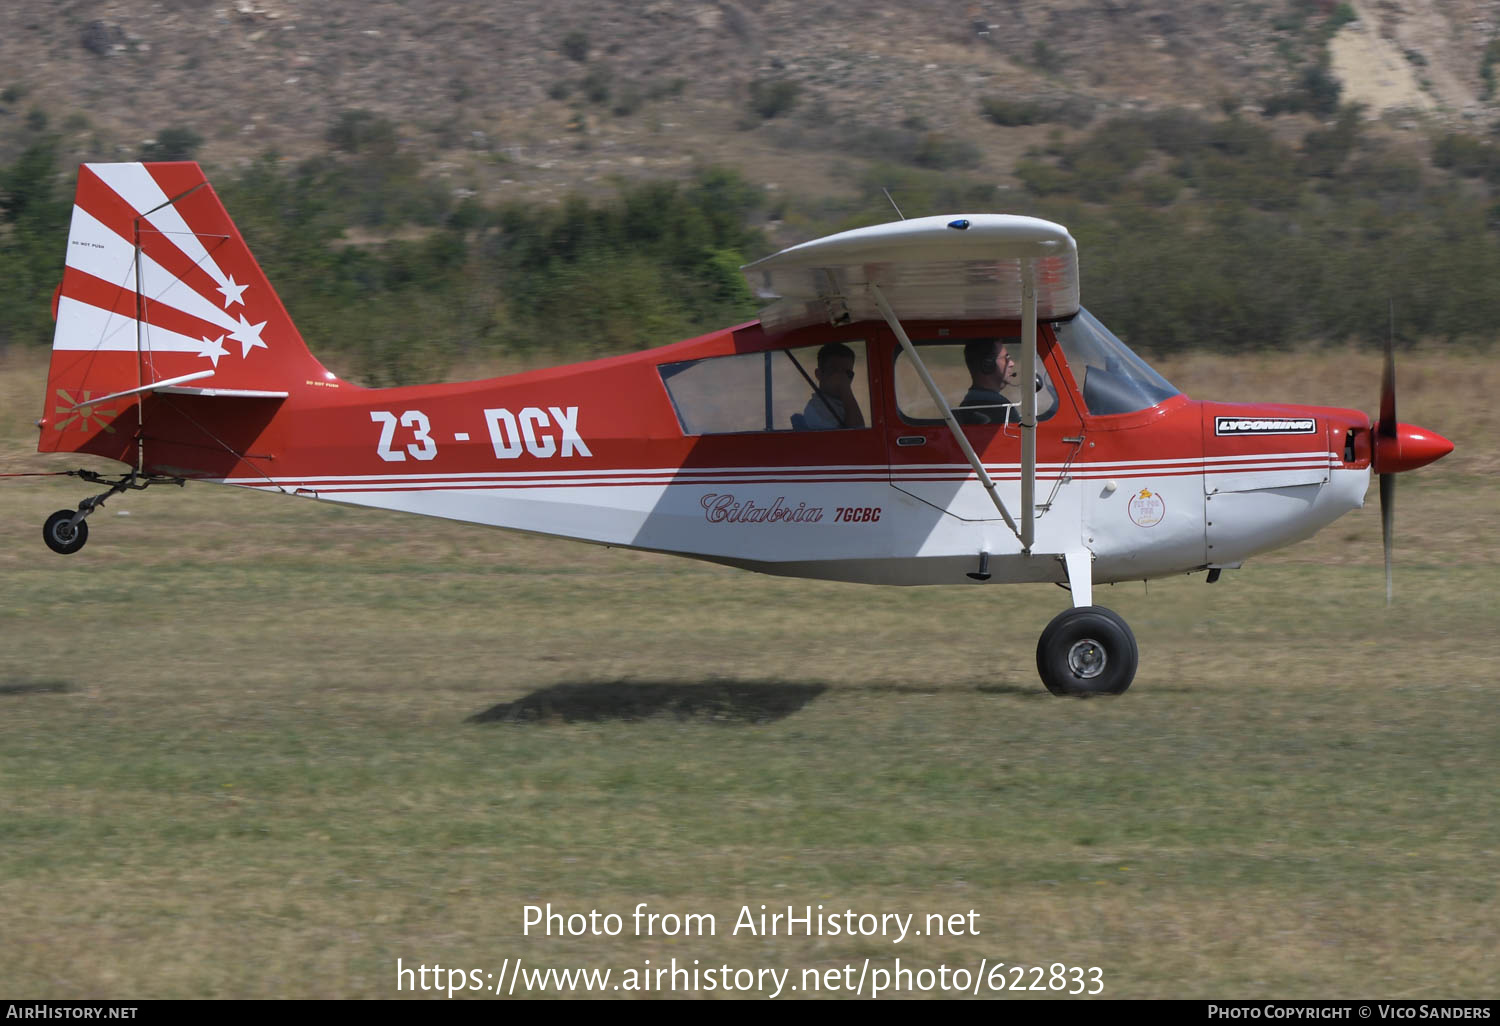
x=1147 y=508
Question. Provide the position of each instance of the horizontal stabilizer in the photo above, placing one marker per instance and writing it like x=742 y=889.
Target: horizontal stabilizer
x=179 y=386
x=156 y=386
x=223 y=393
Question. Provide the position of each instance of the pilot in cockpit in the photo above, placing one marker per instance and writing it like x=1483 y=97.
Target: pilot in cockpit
x=833 y=404
x=990 y=369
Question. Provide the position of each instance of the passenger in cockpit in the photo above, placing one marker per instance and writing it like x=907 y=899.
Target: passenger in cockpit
x=833 y=404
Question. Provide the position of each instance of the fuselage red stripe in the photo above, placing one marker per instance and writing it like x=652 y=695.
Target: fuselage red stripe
x=438 y=482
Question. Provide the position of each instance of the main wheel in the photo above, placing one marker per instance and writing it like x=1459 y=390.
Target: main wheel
x=62 y=535
x=1087 y=650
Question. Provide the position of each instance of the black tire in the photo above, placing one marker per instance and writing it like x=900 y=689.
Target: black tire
x=61 y=535
x=1086 y=651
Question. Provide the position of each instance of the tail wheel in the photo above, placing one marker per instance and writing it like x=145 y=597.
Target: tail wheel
x=62 y=535
x=1085 y=651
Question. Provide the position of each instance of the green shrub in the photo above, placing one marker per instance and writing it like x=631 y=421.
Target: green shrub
x=1342 y=15
x=575 y=46
x=943 y=153
x=1487 y=69
x=666 y=88
x=1324 y=151
x=1317 y=92
x=1043 y=179
x=172 y=144
x=1046 y=58
x=362 y=131
x=596 y=85
x=771 y=98
x=1010 y=113
x=1466 y=155
x=628 y=100
x=1160 y=190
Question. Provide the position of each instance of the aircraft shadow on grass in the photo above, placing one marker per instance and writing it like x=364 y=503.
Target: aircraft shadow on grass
x=713 y=701
x=34 y=687
x=734 y=701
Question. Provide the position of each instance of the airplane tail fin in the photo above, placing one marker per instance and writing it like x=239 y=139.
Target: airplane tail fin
x=162 y=308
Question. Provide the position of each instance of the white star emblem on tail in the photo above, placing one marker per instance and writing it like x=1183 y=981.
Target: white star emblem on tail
x=248 y=336
x=232 y=290
x=213 y=348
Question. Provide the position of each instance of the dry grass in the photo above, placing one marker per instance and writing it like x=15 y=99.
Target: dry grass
x=236 y=756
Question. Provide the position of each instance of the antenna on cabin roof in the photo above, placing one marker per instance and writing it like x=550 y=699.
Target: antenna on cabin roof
x=893 y=202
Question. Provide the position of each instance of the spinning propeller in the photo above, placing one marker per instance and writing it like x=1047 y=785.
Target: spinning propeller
x=1396 y=447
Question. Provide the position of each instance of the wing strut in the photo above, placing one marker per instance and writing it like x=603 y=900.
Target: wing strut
x=1028 y=404
x=1028 y=410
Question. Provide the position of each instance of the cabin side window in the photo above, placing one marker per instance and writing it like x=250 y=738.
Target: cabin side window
x=811 y=388
x=965 y=371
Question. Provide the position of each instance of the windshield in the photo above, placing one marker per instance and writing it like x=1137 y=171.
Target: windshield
x=1113 y=379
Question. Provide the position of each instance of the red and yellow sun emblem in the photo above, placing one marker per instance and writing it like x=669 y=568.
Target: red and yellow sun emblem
x=85 y=415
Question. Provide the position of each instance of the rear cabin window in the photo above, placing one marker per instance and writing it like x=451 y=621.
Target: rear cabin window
x=778 y=390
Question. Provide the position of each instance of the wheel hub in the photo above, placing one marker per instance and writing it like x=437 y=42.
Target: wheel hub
x=1087 y=658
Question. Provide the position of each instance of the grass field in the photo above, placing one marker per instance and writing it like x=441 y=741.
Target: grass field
x=256 y=747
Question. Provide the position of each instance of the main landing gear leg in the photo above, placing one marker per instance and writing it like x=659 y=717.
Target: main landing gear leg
x=1086 y=650
x=65 y=531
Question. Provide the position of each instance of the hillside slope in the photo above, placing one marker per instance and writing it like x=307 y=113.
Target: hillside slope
x=525 y=98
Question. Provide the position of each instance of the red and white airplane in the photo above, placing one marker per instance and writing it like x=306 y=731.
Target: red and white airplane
x=868 y=427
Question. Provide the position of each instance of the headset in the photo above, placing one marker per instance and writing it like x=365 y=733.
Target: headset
x=984 y=362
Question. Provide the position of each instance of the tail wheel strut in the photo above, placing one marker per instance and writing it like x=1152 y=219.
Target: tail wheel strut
x=66 y=531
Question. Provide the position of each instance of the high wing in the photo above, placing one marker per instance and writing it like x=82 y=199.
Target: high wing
x=981 y=266
x=927 y=267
